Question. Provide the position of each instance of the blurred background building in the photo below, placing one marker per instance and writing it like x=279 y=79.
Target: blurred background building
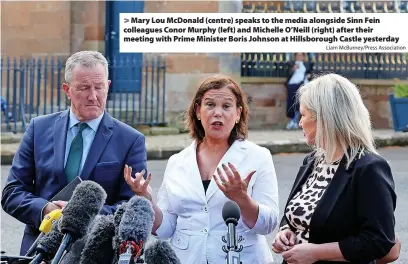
x=153 y=90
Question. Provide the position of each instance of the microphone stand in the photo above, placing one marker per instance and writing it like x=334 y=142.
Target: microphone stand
x=232 y=241
x=15 y=259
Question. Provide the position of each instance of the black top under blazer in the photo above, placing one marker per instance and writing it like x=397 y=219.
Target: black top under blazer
x=356 y=210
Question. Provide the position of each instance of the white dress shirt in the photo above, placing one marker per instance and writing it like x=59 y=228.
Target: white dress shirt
x=193 y=219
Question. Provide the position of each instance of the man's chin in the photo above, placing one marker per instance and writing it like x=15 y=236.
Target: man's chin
x=93 y=115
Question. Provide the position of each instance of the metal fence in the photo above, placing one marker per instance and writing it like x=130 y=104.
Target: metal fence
x=33 y=87
x=330 y=6
x=350 y=65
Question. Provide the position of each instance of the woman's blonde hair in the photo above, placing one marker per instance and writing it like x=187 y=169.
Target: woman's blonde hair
x=342 y=120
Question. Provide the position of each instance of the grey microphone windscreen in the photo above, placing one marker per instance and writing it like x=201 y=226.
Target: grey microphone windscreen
x=160 y=252
x=137 y=220
x=86 y=202
x=98 y=247
x=50 y=242
x=74 y=254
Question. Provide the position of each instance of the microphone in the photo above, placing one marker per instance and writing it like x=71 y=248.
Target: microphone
x=160 y=252
x=48 y=245
x=45 y=227
x=74 y=254
x=98 y=247
x=120 y=209
x=134 y=228
x=231 y=214
x=86 y=202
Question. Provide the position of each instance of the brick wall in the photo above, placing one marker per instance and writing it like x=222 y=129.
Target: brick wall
x=268 y=101
x=185 y=71
x=35 y=28
x=38 y=28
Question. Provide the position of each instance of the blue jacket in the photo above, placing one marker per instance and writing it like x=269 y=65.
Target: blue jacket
x=37 y=171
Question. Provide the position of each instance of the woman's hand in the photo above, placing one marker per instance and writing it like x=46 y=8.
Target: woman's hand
x=284 y=240
x=138 y=184
x=232 y=186
x=301 y=254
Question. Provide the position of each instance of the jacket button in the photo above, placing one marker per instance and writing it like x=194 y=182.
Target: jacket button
x=205 y=231
x=205 y=209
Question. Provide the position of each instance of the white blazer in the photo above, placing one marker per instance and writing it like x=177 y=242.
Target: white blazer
x=193 y=219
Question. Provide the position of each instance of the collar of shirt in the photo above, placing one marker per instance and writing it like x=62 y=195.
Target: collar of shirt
x=93 y=123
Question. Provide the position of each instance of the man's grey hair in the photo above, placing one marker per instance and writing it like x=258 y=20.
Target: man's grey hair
x=87 y=58
x=341 y=116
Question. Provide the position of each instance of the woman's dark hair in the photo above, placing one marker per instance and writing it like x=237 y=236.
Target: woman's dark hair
x=194 y=126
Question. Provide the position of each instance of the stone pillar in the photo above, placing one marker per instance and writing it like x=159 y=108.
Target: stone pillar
x=185 y=71
x=88 y=25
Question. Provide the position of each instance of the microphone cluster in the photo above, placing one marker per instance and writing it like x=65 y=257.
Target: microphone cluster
x=79 y=234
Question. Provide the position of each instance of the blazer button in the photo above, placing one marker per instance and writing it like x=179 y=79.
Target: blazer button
x=205 y=231
x=205 y=209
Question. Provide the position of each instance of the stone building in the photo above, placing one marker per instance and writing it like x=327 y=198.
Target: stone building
x=39 y=29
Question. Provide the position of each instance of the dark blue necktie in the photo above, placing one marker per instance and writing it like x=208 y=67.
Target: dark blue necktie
x=75 y=154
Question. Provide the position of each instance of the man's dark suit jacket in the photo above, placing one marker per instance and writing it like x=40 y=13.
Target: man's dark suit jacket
x=37 y=171
x=356 y=210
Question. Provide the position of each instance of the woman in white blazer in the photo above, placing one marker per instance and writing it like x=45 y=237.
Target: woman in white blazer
x=219 y=165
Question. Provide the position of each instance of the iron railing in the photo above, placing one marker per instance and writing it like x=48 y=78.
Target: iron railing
x=331 y=6
x=33 y=87
x=350 y=65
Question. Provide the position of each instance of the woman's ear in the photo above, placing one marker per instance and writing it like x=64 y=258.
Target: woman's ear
x=239 y=111
x=197 y=111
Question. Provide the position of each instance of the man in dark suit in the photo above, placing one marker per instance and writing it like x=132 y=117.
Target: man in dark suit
x=83 y=140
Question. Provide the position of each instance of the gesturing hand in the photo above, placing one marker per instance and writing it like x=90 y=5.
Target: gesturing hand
x=138 y=184
x=232 y=186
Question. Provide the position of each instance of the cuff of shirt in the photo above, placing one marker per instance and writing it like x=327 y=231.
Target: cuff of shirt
x=42 y=212
x=264 y=224
x=164 y=231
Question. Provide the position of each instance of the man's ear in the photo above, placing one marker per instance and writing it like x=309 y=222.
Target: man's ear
x=65 y=87
x=109 y=83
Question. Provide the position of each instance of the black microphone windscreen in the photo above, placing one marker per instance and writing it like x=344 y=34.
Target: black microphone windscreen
x=74 y=254
x=160 y=252
x=50 y=242
x=137 y=220
x=231 y=211
x=86 y=202
x=98 y=247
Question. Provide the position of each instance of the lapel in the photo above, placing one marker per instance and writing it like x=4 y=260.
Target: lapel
x=331 y=195
x=301 y=177
x=235 y=154
x=99 y=143
x=192 y=173
x=60 y=138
